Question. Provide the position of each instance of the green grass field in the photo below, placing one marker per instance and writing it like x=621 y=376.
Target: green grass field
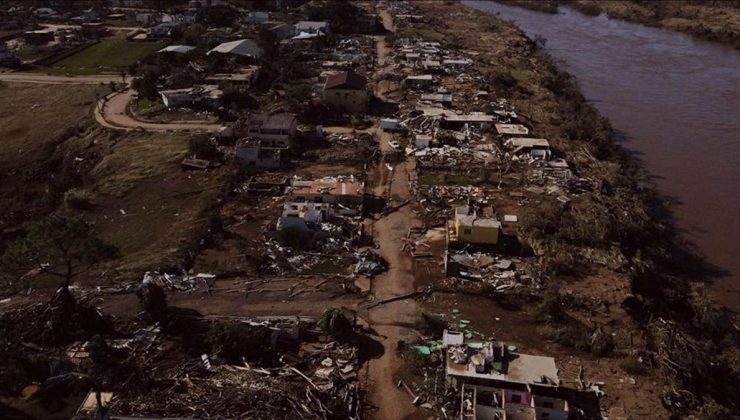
x=110 y=55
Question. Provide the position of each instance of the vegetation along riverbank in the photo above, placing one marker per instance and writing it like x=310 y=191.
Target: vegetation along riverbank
x=613 y=260
x=710 y=20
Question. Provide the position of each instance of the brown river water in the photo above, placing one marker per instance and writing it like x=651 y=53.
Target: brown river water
x=675 y=101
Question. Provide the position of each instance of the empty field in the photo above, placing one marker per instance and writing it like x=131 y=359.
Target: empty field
x=111 y=55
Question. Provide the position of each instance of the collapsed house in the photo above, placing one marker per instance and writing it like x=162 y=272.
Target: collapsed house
x=460 y=122
x=537 y=149
x=423 y=81
x=207 y=96
x=441 y=98
x=308 y=29
x=240 y=80
x=512 y=129
x=498 y=383
x=256 y=154
x=273 y=130
x=317 y=201
x=346 y=191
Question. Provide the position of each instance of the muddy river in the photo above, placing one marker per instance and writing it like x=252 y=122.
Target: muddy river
x=676 y=101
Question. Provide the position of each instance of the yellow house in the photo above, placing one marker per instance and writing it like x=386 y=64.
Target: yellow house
x=468 y=227
x=346 y=91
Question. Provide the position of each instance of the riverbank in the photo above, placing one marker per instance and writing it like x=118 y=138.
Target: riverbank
x=715 y=21
x=611 y=250
x=659 y=116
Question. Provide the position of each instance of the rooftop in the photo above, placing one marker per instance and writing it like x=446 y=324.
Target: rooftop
x=420 y=77
x=345 y=80
x=527 y=142
x=283 y=120
x=469 y=218
x=496 y=361
x=244 y=73
x=180 y=49
x=473 y=117
x=512 y=129
x=311 y=25
x=241 y=47
x=328 y=185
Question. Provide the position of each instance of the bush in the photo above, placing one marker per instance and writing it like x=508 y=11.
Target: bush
x=550 y=311
x=146 y=83
x=152 y=302
x=78 y=199
x=202 y=148
x=336 y=323
x=503 y=82
x=633 y=366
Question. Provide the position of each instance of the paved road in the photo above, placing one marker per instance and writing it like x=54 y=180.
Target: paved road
x=111 y=112
x=48 y=79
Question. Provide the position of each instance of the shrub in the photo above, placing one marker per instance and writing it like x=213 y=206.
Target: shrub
x=633 y=366
x=336 y=323
x=550 y=311
x=152 y=301
x=202 y=148
x=503 y=81
x=78 y=199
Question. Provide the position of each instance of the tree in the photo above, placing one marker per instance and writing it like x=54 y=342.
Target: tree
x=146 y=85
x=267 y=41
x=336 y=323
x=153 y=302
x=60 y=246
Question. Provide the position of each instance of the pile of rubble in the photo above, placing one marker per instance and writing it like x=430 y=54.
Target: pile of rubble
x=320 y=381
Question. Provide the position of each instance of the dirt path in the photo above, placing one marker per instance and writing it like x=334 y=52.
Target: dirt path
x=111 y=112
x=393 y=321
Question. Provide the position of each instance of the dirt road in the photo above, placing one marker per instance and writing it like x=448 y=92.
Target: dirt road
x=112 y=112
x=393 y=321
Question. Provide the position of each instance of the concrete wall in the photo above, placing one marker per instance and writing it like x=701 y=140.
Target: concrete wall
x=346 y=100
x=477 y=234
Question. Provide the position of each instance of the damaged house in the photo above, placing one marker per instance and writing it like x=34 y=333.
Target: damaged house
x=255 y=155
x=346 y=91
x=343 y=191
x=512 y=129
x=274 y=131
x=537 y=149
x=497 y=383
x=468 y=227
x=240 y=80
x=318 y=201
x=207 y=96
